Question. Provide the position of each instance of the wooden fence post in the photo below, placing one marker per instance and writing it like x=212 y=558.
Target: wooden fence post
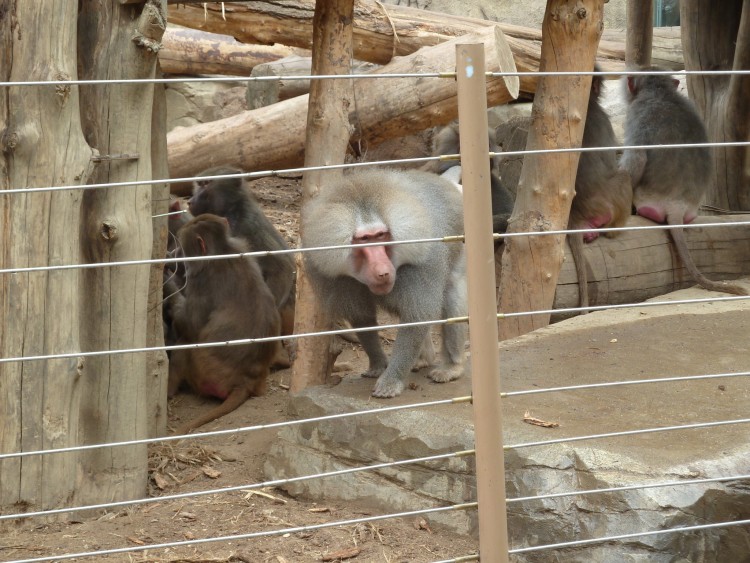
x=480 y=255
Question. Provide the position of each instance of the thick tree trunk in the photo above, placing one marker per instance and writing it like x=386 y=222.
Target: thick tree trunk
x=531 y=265
x=640 y=33
x=117 y=42
x=189 y=51
x=273 y=137
x=328 y=133
x=290 y=22
x=716 y=36
x=42 y=145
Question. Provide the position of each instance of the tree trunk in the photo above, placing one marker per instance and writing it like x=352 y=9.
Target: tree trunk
x=290 y=22
x=42 y=145
x=157 y=366
x=189 y=51
x=531 y=265
x=716 y=36
x=328 y=132
x=273 y=137
x=117 y=42
x=640 y=33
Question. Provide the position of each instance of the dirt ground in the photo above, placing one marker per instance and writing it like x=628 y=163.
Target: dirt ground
x=231 y=461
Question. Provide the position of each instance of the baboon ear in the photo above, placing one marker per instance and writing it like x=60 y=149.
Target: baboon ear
x=595 y=86
x=202 y=244
x=631 y=85
x=676 y=83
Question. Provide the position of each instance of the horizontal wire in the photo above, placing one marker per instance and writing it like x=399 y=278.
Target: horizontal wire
x=384 y=465
x=359 y=413
x=630 y=488
x=654 y=227
x=251 y=535
x=626 y=382
x=271 y=483
x=198 y=79
x=448 y=74
x=471 y=557
x=235 y=255
x=237 y=342
x=627 y=433
x=303 y=250
x=462 y=559
x=620 y=306
x=683 y=529
x=213 y=433
x=249 y=175
x=334 y=332
x=181 y=212
x=302 y=169
x=621 y=73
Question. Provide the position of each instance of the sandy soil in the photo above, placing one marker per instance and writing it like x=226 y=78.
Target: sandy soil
x=234 y=461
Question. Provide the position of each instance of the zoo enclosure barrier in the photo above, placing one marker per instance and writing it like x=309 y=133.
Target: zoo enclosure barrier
x=486 y=393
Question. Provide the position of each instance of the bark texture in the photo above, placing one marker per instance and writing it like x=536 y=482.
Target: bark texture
x=640 y=33
x=70 y=136
x=531 y=265
x=716 y=36
x=189 y=51
x=42 y=145
x=328 y=132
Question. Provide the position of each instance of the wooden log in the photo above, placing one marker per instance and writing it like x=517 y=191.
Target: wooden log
x=639 y=265
x=531 y=265
x=189 y=51
x=640 y=32
x=290 y=22
x=328 y=131
x=272 y=137
x=266 y=92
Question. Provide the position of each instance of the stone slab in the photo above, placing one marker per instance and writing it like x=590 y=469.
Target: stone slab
x=614 y=345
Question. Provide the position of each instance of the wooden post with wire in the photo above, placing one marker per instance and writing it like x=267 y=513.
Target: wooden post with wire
x=483 y=331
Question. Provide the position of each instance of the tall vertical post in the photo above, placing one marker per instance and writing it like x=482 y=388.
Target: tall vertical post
x=640 y=33
x=327 y=135
x=480 y=255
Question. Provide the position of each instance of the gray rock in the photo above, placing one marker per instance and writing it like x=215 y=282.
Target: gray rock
x=190 y=103
x=606 y=346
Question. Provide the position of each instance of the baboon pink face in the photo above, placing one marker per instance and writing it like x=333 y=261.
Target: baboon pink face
x=372 y=265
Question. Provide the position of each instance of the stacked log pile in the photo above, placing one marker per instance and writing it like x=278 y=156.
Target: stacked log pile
x=268 y=29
